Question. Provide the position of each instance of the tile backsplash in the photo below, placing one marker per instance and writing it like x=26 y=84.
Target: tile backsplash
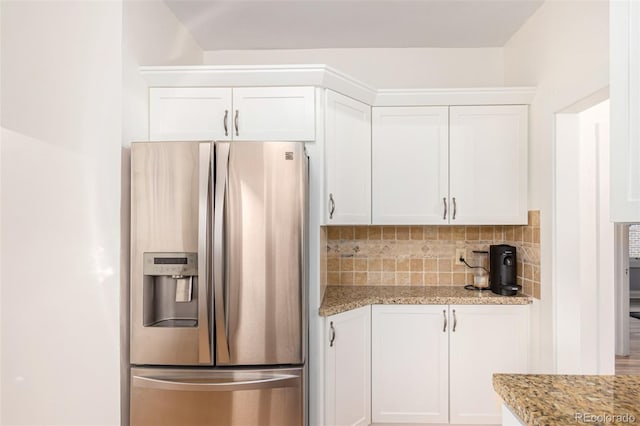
x=425 y=255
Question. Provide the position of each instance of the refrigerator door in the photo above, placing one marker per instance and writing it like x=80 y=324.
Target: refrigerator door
x=259 y=223
x=170 y=224
x=199 y=397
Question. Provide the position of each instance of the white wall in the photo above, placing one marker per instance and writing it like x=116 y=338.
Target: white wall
x=387 y=68
x=60 y=173
x=563 y=50
x=66 y=112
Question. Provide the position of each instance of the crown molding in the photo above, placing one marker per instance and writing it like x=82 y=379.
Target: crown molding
x=320 y=75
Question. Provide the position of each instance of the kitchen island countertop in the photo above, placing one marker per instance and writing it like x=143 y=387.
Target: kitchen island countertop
x=339 y=299
x=561 y=400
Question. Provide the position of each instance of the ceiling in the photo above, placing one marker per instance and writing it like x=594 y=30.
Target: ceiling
x=312 y=24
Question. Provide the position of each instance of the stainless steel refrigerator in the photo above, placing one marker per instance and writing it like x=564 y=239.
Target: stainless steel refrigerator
x=218 y=329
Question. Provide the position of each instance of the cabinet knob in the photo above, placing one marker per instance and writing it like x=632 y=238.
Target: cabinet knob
x=332 y=206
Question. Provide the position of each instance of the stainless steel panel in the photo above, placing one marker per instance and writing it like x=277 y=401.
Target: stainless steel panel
x=162 y=397
x=263 y=241
x=165 y=205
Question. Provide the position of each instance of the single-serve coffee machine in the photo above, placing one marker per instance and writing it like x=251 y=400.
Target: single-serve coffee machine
x=502 y=270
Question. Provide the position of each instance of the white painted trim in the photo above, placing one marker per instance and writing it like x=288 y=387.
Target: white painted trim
x=321 y=75
x=457 y=96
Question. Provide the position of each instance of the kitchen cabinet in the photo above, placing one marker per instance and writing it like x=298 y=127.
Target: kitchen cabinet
x=348 y=161
x=450 y=165
x=348 y=368
x=488 y=164
x=248 y=113
x=484 y=340
x=409 y=361
x=434 y=363
x=625 y=109
x=410 y=161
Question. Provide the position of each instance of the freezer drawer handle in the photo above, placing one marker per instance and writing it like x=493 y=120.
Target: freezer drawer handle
x=278 y=381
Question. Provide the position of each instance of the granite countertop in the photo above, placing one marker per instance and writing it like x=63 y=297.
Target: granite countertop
x=345 y=298
x=560 y=400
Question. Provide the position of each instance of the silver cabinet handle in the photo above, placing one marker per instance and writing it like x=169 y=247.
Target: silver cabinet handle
x=455 y=321
x=226 y=122
x=444 y=314
x=219 y=274
x=235 y=122
x=204 y=343
x=444 y=200
x=332 y=206
x=332 y=336
x=455 y=208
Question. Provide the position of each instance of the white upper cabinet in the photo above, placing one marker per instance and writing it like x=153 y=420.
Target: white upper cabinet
x=625 y=109
x=459 y=165
x=348 y=161
x=484 y=340
x=249 y=113
x=409 y=364
x=410 y=161
x=488 y=164
x=274 y=113
x=348 y=368
x=187 y=113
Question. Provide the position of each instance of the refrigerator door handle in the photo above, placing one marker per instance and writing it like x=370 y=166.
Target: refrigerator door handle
x=204 y=342
x=275 y=381
x=219 y=274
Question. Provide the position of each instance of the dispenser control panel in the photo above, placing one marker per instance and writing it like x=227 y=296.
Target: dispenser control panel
x=174 y=264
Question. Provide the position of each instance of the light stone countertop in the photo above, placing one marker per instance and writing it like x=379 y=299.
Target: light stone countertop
x=339 y=299
x=561 y=400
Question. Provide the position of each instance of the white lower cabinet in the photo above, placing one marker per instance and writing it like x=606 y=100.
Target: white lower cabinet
x=484 y=340
x=409 y=360
x=433 y=364
x=348 y=368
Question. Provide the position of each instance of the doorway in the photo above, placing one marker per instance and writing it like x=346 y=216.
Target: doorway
x=628 y=301
x=583 y=240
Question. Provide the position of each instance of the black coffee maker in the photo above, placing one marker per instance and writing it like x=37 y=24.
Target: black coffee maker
x=502 y=270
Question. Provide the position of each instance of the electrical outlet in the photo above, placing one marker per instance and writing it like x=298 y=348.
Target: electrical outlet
x=460 y=253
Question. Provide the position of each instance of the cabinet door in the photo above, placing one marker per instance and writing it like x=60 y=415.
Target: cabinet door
x=625 y=110
x=348 y=161
x=410 y=172
x=409 y=360
x=348 y=368
x=484 y=340
x=488 y=164
x=274 y=114
x=189 y=114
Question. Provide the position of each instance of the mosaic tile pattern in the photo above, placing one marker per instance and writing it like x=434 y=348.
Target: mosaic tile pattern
x=425 y=255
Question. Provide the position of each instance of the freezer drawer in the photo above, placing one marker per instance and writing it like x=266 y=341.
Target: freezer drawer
x=190 y=397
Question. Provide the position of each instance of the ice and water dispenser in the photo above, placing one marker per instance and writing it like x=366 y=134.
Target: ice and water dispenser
x=170 y=290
